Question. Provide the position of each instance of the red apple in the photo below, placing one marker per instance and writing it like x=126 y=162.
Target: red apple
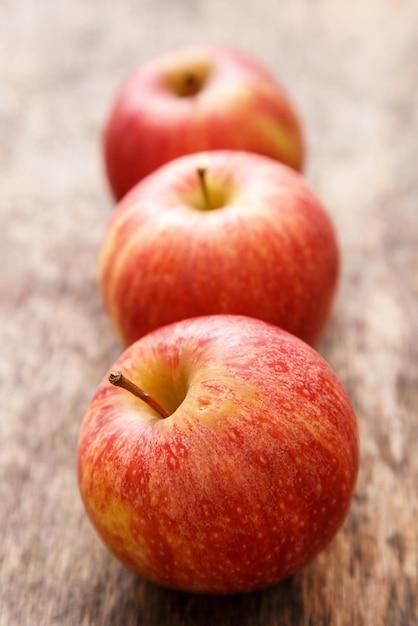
x=195 y=99
x=220 y=232
x=238 y=472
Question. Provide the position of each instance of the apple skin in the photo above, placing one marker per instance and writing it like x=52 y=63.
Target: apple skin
x=268 y=250
x=247 y=480
x=233 y=103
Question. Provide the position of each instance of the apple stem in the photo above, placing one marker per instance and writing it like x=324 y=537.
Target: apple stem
x=119 y=380
x=191 y=84
x=202 y=178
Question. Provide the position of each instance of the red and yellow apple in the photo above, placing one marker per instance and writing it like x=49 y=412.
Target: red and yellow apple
x=237 y=474
x=194 y=99
x=220 y=232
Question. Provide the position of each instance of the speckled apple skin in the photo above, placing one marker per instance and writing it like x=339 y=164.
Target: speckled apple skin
x=249 y=478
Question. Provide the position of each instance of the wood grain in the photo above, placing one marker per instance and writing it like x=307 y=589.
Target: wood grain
x=352 y=70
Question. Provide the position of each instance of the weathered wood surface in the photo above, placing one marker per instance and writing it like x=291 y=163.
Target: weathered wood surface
x=352 y=69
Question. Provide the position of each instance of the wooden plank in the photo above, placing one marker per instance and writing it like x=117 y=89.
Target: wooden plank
x=351 y=68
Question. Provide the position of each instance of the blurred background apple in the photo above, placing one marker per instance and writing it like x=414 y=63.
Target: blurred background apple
x=193 y=99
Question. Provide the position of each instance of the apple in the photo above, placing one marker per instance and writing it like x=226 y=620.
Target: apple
x=219 y=232
x=194 y=99
x=237 y=469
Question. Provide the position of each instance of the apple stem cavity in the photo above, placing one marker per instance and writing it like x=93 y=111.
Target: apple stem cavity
x=192 y=85
x=202 y=178
x=119 y=380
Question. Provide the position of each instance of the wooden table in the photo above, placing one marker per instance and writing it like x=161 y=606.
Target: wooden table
x=352 y=70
